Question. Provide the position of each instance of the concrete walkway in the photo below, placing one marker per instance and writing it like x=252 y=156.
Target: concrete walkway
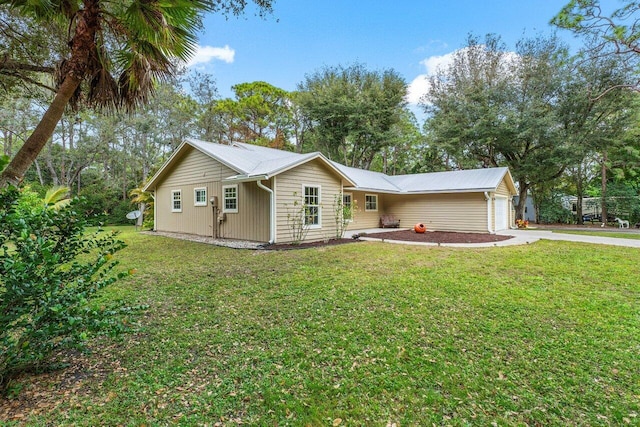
x=530 y=236
x=520 y=237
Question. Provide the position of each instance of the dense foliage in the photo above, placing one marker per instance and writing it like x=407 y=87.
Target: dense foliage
x=564 y=125
x=51 y=271
x=533 y=109
x=114 y=53
x=353 y=111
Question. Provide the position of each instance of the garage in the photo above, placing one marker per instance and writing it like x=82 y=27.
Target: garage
x=502 y=213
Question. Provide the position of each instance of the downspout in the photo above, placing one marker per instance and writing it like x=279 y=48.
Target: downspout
x=487 y=197
x=272 y=214
x=155 y=212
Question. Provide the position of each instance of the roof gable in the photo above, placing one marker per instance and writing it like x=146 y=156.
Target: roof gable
x=251 y=162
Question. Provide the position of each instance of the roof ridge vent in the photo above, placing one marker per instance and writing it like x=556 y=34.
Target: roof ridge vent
x=238 y=145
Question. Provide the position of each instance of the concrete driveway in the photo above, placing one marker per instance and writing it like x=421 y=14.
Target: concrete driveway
x=530 y=236
x=520 y=237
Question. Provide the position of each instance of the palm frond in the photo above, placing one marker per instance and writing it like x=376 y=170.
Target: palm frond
x=139 y=196
x=57 y=197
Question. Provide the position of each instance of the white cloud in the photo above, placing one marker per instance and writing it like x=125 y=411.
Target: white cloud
x=420 y=85
x=435 y=63
x=206 y=54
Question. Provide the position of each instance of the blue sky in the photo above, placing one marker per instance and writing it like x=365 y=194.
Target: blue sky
x=411 y=37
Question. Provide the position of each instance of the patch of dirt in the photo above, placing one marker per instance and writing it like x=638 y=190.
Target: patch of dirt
x=438 y=237
x=305 y=245
x=35 y=394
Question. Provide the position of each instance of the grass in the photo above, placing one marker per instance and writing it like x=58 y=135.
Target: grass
x=367 y=334
x=619 y=235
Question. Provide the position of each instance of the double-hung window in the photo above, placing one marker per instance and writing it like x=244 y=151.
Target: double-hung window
x=347 y=209
x=371 y=202
x=200 y=196
x=176 y=200
x=230 y=198
x=312 y=206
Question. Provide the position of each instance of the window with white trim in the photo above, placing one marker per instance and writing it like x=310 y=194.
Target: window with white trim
x=230 y=198
x=176 y=200
x=200 y=196
x=347 y=203
x=311 y=206
x=371 y=202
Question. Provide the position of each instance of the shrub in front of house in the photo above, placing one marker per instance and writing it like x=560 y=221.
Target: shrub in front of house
x=51 y=271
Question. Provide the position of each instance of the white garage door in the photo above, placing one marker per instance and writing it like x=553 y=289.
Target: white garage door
x=502 y=214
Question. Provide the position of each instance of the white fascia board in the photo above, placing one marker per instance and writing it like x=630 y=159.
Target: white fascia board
x=403 y=193
x=316 y=155
x=245 y=178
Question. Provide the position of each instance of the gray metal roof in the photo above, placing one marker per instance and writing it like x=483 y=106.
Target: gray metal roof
x=369 y=180
x=434 y=182
x=255 y=161
x=247 y=159
x=469 y=180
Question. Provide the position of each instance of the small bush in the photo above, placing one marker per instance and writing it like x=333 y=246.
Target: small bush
x=50 y=270
x=552 y=211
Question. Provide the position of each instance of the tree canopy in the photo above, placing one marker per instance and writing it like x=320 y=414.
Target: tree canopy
x=613 y=33
x=352 y=111
x=115 y=53
x=525 y=109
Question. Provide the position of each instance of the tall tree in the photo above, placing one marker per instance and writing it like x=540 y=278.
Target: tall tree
x=494 y=107
x=260 y=114
x=118 y=49
x=616 y=33
x=352 y=111
x=594 y=118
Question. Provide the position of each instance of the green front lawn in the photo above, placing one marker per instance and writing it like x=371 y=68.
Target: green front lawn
x=364 y=334
x=619 y=235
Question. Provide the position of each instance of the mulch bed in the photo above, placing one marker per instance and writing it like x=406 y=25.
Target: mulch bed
x=439 y=237
x=402 y=235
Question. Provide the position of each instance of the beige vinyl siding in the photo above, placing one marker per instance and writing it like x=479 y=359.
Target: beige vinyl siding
x=196 y=170
x=503 y=189
x=251 y=222
x=289 y=188
x=193 y=219
x=365 y=219
x=443 y=212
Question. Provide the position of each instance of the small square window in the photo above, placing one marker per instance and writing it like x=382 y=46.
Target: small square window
x=176 y=201
x=371 y=202
x=230 y=198
x=200 y=196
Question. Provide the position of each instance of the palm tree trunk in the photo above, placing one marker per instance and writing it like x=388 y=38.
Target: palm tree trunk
x=15 y=171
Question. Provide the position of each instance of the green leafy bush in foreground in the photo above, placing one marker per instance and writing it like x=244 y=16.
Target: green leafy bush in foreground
x=50 y=270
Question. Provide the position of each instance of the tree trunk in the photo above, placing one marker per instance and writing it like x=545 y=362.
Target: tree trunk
x=139 y=221
x=83 y=50
x=19 y=165
x=384 y=161
x=603 y=191
x=52 y=170
x=39 y=172
x=579 y=195
x=8 y=142
x=522 y=200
